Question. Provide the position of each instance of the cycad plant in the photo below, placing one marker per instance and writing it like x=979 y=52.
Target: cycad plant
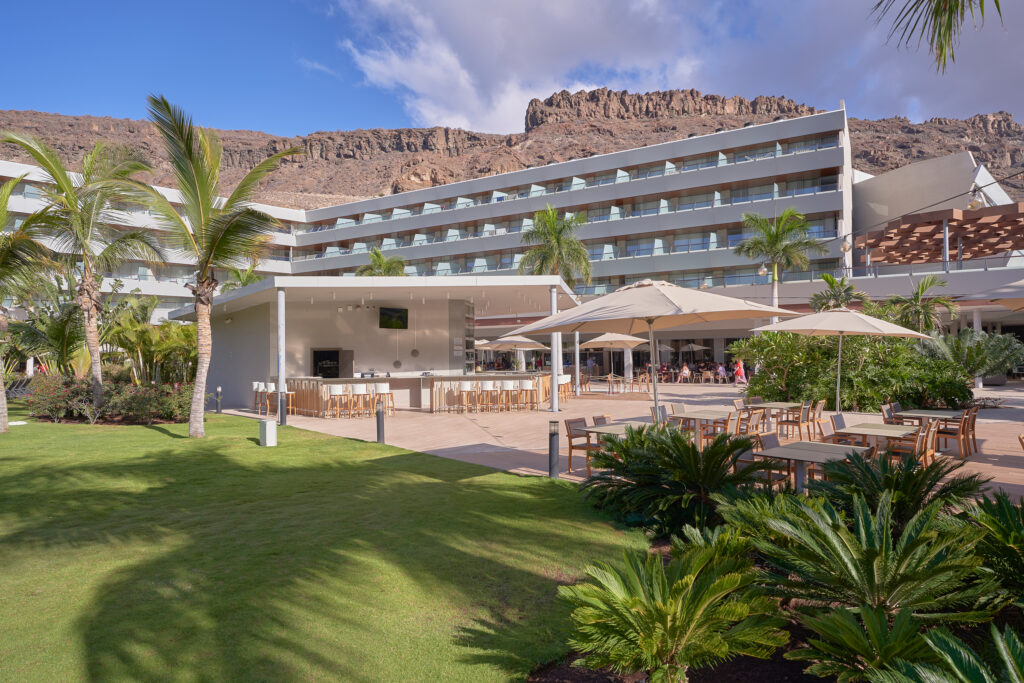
x=849 y=646
x=21 y=256
x=217 y=232
x=1002 y=547
x=556 y=250
x=911 y=485
x=660 y=479
x=921 y=311
x=958 y=663
x=782 y=243
x=382 y=266
x=700 y=610
x=928 y=568
x=978 y=353
x=79 y=218
x=838 y=293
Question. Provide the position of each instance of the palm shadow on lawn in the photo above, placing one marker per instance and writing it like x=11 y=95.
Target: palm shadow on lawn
x=230 y=599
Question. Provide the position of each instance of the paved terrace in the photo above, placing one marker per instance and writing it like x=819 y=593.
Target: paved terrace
x=517 y=442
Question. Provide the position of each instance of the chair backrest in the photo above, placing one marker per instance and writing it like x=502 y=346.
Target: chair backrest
x=574 y=427
x=921 y=438
x=973 y=417
x=487 y=385
x=818 y=408
x=464 y=387
x=896 y=407
x=754 y=400
x=509 y=385
x=607 y=419
x=335 y=389
x=526 y=385
x=887 y=416
x=660 y=414
x=839 y=422
x=932 y=436
x=770 y=440
x=738 y=404
x=383 y=388
x=805 y=412
x=732 y=423
x=678 y=408
x=256 y=386
x=826 y=430
x=271 y=387
x=754 y=423
x=359 y=389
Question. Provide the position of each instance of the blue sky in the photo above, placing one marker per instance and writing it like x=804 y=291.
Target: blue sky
x=291 y=67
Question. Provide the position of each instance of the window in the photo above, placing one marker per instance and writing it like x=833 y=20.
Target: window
x=686 y=243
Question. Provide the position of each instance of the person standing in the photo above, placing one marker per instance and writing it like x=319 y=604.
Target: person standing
x=741 y=373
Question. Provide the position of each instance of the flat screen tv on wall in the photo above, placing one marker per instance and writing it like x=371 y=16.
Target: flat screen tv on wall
x=394 y=318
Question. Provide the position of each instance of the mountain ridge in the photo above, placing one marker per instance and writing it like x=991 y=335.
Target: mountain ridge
x=341 y=166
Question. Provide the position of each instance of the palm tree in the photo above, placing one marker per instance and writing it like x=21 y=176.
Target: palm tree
x=839 y=293
x=382 y=266
x=79 y=220
x=937 y=21
x=700 y=610
x=216 y=232
x=782 y=243
x=921 y=312
x=20 y=254
x=241 y=278
x=556 y=250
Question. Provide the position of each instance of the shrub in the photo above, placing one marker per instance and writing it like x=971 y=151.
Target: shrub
x=55 y=396
x=659 y=479
x=140 y=404
x=957 y=663
x=702 y=609
x=1002 y=547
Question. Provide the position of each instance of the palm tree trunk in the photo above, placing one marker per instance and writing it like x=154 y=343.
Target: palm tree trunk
x=775 y=289
x=4 y=426
x=88 y=301
x=204 y=349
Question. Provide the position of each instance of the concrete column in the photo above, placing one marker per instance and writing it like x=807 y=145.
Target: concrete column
x=945 y=245
x=30 y=366
x=576 y=358
x=627 y=364
x=556 y=354
x=282 y=373
x=718 y=349
x=976 y=324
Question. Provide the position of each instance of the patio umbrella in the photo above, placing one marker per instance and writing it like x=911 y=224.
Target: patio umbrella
x=1010 y=295
x=514 y=343
x=651 y=305
x=840 y=322
x=693 y=349
x=612 y=340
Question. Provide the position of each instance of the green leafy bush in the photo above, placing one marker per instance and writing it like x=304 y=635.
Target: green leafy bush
x=1002 y=547
x=958 y=663
x=140 y=404
x=659 y=479
x=702 y=609
x=55 y=396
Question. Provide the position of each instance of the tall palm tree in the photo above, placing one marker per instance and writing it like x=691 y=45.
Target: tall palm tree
x=382 y=266
x=919 y=311
x=78 y=218
x=556 y=250
x=241 y=277
x=939 y=22
x=782 y=243
x=216 y=232
x=839 y=293
x=20 y=256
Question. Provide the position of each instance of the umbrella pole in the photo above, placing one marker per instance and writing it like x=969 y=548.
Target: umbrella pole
x=654 y=372
x=839 y=370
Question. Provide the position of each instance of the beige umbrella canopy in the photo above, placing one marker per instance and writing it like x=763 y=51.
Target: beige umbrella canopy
x=692 y=347
x=613 y=341
x=514 y=343
x=840 y=322
x=651 y=305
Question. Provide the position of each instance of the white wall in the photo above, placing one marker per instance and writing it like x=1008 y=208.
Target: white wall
x=242 y=354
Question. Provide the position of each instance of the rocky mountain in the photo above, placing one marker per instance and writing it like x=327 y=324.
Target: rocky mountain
x=339 y=166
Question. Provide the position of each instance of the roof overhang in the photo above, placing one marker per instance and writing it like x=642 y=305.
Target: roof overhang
x=492 y=295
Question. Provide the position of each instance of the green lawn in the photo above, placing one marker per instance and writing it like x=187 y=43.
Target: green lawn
x=133 y=553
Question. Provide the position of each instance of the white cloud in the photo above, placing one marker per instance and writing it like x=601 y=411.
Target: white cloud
x=476 y=65
x=310 y=65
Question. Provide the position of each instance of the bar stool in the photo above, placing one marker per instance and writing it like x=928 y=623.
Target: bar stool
x=269 y=390
x=528 y=395
x=257 y=396
x=508 y=396
x=336 y=397
x=467 y=397
x=488 y=396
x=383 y=397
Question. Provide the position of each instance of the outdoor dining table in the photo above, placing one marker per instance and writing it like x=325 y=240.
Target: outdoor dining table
x=803 y=452
x=773 y=408
x=921 y=415
x=701 y=416
x=877 y=431
x=616 y=428
x=612 y=379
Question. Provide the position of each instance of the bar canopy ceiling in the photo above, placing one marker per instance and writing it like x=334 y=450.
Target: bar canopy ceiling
x=491 y=295
x=973 y=233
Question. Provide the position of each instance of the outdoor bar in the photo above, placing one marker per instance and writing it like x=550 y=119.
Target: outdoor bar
x=409 y=339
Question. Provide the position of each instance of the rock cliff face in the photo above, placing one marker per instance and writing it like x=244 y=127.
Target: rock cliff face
x=339 y=166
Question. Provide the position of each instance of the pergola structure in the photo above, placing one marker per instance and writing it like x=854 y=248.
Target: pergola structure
x=939 y=235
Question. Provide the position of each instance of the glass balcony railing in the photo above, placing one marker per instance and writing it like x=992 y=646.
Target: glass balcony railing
x=827 y=142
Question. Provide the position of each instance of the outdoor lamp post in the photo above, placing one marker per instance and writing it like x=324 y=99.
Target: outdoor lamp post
x=219 y=395
x=553 y=449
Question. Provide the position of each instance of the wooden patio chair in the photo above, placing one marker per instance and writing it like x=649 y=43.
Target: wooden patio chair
x=574 y=432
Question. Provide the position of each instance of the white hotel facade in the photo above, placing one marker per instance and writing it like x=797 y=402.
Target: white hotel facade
x=670 y=211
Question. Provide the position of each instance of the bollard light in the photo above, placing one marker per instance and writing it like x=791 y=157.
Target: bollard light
x=220 y=396
x=553 y=449
x=380 y=424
